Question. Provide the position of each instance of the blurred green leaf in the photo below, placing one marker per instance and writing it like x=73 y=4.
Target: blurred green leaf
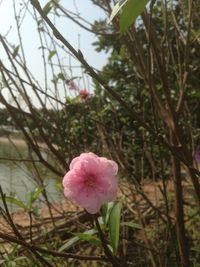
x=51 y=54
x=89 y=238
x=11 y=264
x=47 y=8
x=36 y=193
x=131 y=10
x=105 y=209
x=15 y=201
x=36 y=211
x=69 y=243
x=61 y=76
x=114 y=226
x=116 y=9
x=75 y=240
x=15 y=52
x=34 y=196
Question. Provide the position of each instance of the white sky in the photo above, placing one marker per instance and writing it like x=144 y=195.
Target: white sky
x=70 y=30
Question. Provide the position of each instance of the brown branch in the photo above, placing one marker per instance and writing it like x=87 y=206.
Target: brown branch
x=113 y=93
x=15 y=240
x=19 y=160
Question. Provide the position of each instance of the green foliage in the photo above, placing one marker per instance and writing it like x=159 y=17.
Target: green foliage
x=51 y=54
x=15 y=201
x=131 y=10
x=32 y=197
x=117 y=8
x=106 y=209
x=12 y=259
x=47 y=8
x=87 y=236
x=15 y=51
x=114 y=226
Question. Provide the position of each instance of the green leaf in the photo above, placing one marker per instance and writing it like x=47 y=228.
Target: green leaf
x=36 y=193
x=11 y=264
x=105 y=209
x=116 y=9
x=75 y=240
x=15 y=52
x=114 y=226
x=69 y=244
x=21 y=258
x=89 y=238
x=61 y=76
x=15 y=201
x=47 y=8
x=131 y=10
x=36 y=212
x=34 y=196
x=51 y=54
x=132 y=225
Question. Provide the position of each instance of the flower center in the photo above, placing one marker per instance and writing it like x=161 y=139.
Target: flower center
x=90 y=180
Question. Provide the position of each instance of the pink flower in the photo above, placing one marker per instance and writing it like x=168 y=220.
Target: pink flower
x=91 y=181
x=84 y=94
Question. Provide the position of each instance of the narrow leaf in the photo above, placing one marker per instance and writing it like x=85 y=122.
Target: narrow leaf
x=69 y=244
x=33 y=196
x=75 y=240
x=47 y=8
x=15 y=201
x=89 y=238
x=15 y=52
x=130 y=12
x=105 y=209
x=116 y=9
x=51 y=54
x=114 y=226
x=36 y=194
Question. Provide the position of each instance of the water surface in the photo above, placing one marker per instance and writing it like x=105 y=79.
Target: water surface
x=17 y=179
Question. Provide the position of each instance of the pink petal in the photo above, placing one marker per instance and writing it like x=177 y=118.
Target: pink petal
x=85 y=163
x=89 y=200
x=75 y=162
x=107 y=188
x=108 y=167
x=73 y=183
